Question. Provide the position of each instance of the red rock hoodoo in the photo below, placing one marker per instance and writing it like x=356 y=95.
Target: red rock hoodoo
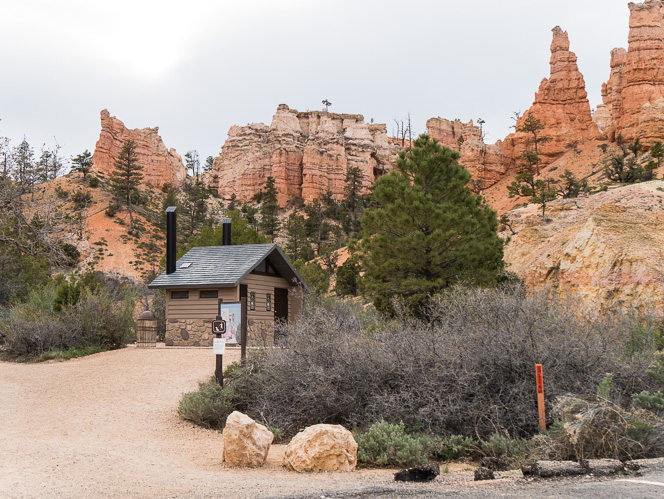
x=307 y=153
x=641 y=106
x=160 y=165
x=561 y=105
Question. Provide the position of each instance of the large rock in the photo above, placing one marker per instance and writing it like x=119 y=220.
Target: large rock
x=246 y=443
x=322 y=447
x=307 y=153
x=160 y=165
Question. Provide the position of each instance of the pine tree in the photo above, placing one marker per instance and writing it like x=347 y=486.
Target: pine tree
x=426 y=230
x=318 y=228
x=348 y=275
x=297 y=245
x=82 y=163
x=270 y=223
x=127 y=176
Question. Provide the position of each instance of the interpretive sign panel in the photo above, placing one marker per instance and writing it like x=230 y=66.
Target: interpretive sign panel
x=231 y=313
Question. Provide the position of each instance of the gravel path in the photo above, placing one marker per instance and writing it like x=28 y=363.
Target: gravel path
x=106 y=426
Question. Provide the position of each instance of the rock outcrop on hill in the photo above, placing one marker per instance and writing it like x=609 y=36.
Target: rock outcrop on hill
x=561 y=105
x=605 y=248
x=483 y=161
x=160 y=165
x=307 y=153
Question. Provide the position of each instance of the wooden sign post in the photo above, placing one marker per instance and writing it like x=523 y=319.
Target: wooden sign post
x=243 y=331
x=540 y=396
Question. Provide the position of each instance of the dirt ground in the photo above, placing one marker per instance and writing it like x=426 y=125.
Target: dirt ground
x=106 y=426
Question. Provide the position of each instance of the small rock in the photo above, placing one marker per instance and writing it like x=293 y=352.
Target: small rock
x=495 y=463
x=424 y=473
x=483 y=473
x=527 y=470
x=322 y=447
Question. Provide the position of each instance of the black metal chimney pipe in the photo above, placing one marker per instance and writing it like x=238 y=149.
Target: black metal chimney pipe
x=170 y=239
x=226 y=231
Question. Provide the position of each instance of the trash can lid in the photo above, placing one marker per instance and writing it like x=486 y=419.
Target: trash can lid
x=147 y=315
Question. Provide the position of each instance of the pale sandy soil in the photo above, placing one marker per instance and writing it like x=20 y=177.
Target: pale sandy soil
x=106 y=426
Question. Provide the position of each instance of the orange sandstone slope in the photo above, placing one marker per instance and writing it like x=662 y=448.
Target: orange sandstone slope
x=102 y=240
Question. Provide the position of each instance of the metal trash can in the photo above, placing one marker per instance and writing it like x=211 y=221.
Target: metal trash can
x=146 y=330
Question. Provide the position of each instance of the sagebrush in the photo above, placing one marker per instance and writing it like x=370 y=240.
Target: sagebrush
x=468 y=371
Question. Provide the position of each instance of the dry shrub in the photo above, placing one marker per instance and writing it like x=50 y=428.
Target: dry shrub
x=600 y=429
x=469 y=371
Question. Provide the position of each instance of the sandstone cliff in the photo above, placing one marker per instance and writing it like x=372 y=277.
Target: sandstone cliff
x=606 y=247
x=307 y=153
x=483 y=161
x=160 y=165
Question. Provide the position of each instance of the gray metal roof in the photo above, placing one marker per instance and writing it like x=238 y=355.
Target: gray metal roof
x=224 y=266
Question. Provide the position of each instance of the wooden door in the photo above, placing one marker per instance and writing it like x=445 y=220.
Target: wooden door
x=281 y=304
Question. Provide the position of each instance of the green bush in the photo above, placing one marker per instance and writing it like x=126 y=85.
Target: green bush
x=387 y=444
x=61 y=316
x=93 y=182
x=209 y=406
x=112 y=209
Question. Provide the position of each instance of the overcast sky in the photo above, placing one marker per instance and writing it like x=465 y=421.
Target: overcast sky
x=195 y=68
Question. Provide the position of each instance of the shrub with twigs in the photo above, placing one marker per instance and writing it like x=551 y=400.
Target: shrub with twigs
x=469 y=370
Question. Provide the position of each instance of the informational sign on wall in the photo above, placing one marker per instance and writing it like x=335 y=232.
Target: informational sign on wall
x=231 y=313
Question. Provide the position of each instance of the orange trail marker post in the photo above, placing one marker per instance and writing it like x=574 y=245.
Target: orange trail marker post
x=540 y=396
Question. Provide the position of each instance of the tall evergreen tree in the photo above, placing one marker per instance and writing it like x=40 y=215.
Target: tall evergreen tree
x=426 y=230
x=270 y=223
x=297 y=245
x=353 y=194
x=318 y=228
x=127 y=176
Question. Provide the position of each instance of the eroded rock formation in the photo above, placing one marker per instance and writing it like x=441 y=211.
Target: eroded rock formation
x=633 y=102
x=608 y=113
x=483 y=161
x=160 y=165
x=307 y=153
x=642 y=107
x=561 y=105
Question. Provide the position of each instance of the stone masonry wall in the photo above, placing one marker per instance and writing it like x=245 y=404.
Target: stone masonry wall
x=189 y=332
x=198 y=333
